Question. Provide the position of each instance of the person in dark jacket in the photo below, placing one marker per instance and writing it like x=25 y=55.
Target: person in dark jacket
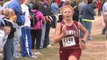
x=88 y=17
x=74 y=4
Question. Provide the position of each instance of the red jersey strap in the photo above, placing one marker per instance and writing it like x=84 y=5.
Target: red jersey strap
x=62 y=23
x=76 y=26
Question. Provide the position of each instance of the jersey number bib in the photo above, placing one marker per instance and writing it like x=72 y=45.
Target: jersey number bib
x=68 y=41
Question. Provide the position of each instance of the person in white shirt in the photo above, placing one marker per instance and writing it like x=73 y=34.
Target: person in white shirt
x=26 y=42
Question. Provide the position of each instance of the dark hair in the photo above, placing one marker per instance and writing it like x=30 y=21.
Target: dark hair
x=35 y=6
x=90 y=1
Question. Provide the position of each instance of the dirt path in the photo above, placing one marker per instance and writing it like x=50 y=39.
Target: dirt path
x=97 y=48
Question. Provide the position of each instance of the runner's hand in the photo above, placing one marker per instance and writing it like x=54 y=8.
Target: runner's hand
x=64 y=28
x=82 y=45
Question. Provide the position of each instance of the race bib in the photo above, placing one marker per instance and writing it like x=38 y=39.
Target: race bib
x=68 y=41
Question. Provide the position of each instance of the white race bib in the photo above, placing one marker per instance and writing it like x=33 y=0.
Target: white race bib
x=68 y=41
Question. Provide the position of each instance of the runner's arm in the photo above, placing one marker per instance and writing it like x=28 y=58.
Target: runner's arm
x=58 y=34
x=82 y=28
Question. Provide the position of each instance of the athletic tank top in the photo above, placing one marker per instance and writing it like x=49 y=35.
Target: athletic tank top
x=71 y=39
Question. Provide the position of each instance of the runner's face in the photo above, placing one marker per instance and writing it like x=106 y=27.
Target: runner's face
x=67 y=13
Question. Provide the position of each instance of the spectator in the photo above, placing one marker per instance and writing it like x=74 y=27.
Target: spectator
x=16 y=6
x=8 y=47
x=104 y=10
x=54 y=7
x=87 y=17
x=44 y=7
x=99 y=6
x=55 y=10
x=80 y=7
x=36 y=30
x=26 y=40
x=74 y=4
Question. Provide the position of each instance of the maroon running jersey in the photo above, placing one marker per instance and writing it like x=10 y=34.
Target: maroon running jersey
x=71 y=39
